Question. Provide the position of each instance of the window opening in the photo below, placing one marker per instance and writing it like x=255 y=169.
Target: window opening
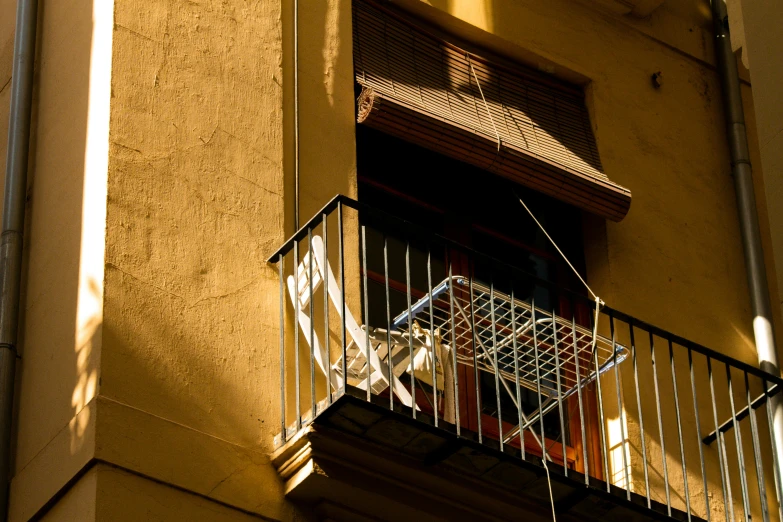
x=479 y=210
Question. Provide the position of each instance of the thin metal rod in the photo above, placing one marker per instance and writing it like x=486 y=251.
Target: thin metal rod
x=432 y=338
x=389 y=358
x=310 y=256
x=660 y=427
x=579 y=393
x=727 y=472
x=738 y=441
x=296 y=338
x=538 y=377
x=698 y=434
x=410 y=326
x=324 y=283
x=453 y=348
x=495 y=352
x=296 y=115
x=281 y=272
x=516 y=372
x=757 y=455
x=723 y=476
x=601 y=418
x=342 y=294
x=755 y=404
x=473 y=341
x=366 y=314
x=641 y=417
x=679 y=430
x=559 y=394
x=620 y=409
x=773 y=444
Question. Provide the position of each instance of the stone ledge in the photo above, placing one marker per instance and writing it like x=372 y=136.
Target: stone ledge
x=55 y=466
x=152 y=447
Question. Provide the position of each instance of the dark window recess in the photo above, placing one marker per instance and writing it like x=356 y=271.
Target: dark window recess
x=474 y=208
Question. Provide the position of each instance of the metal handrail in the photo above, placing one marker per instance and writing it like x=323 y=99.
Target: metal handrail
x=341 y=199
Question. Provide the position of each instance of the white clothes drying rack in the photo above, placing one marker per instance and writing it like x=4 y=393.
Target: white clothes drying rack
x=509 y=337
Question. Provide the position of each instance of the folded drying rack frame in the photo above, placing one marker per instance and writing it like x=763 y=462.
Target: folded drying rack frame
x=540 y=350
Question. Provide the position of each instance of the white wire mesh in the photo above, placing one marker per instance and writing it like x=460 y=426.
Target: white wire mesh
x=490 y=330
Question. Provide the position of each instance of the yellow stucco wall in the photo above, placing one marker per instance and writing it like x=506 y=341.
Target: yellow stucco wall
x=197 y=190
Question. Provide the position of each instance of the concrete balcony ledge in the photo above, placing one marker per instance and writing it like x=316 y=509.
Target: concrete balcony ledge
x=359 y=460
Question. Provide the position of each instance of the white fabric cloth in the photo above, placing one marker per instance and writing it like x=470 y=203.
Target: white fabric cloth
x=422 y=360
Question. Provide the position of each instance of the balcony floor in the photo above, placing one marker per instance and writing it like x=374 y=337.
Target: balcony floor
x=360 y=460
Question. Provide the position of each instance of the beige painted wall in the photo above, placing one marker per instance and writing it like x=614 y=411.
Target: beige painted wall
x=182 y=350
x=762 y=48
x=62 y=296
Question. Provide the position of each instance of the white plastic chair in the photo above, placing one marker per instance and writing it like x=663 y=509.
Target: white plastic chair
x=357 y=350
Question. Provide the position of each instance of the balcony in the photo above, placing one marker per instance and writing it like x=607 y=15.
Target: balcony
x=420 y=378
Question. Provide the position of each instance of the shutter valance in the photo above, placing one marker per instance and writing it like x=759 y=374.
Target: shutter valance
x=508 y=120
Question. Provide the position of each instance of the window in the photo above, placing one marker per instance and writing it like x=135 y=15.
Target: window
x=479 y=210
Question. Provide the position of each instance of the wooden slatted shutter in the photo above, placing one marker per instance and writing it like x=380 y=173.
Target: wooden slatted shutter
x=512 y=122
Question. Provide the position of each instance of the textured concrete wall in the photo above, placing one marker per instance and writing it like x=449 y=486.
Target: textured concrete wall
x=195 y=206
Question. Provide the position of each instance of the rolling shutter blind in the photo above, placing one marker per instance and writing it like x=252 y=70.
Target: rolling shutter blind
x=510 y=122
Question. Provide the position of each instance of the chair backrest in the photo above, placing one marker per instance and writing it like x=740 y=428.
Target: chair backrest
x=316 y=271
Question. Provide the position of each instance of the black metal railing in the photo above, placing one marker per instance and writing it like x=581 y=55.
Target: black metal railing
x=468 y=341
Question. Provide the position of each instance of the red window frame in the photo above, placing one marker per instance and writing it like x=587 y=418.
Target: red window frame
x=468 y=414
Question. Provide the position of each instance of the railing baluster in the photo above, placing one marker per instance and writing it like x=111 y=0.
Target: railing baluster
x=325 y=284
x=579 y=393
x=601 y=418
x=516 y=369
x=538 y=377
x=310 y=256
x=719 y=439
x=679 y=430
x=773 y=446
x=620 y=409
x=559 y=389
x=281 y=272
x=366 y=315
x=389 y=358
x=341 y=269
x=495 y=352
x=297 y=301
x=454 y=348
x=410 y=323
x=738 y=441
x=660 y=427
x=698 y=435
x=730 y=508
x=757 y=454
x=641 y=418
x=473 y=342
x=434 y=357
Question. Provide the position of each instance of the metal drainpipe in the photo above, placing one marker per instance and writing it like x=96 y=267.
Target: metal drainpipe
x=13 y=225
x=296 y=115
x=748 y=217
